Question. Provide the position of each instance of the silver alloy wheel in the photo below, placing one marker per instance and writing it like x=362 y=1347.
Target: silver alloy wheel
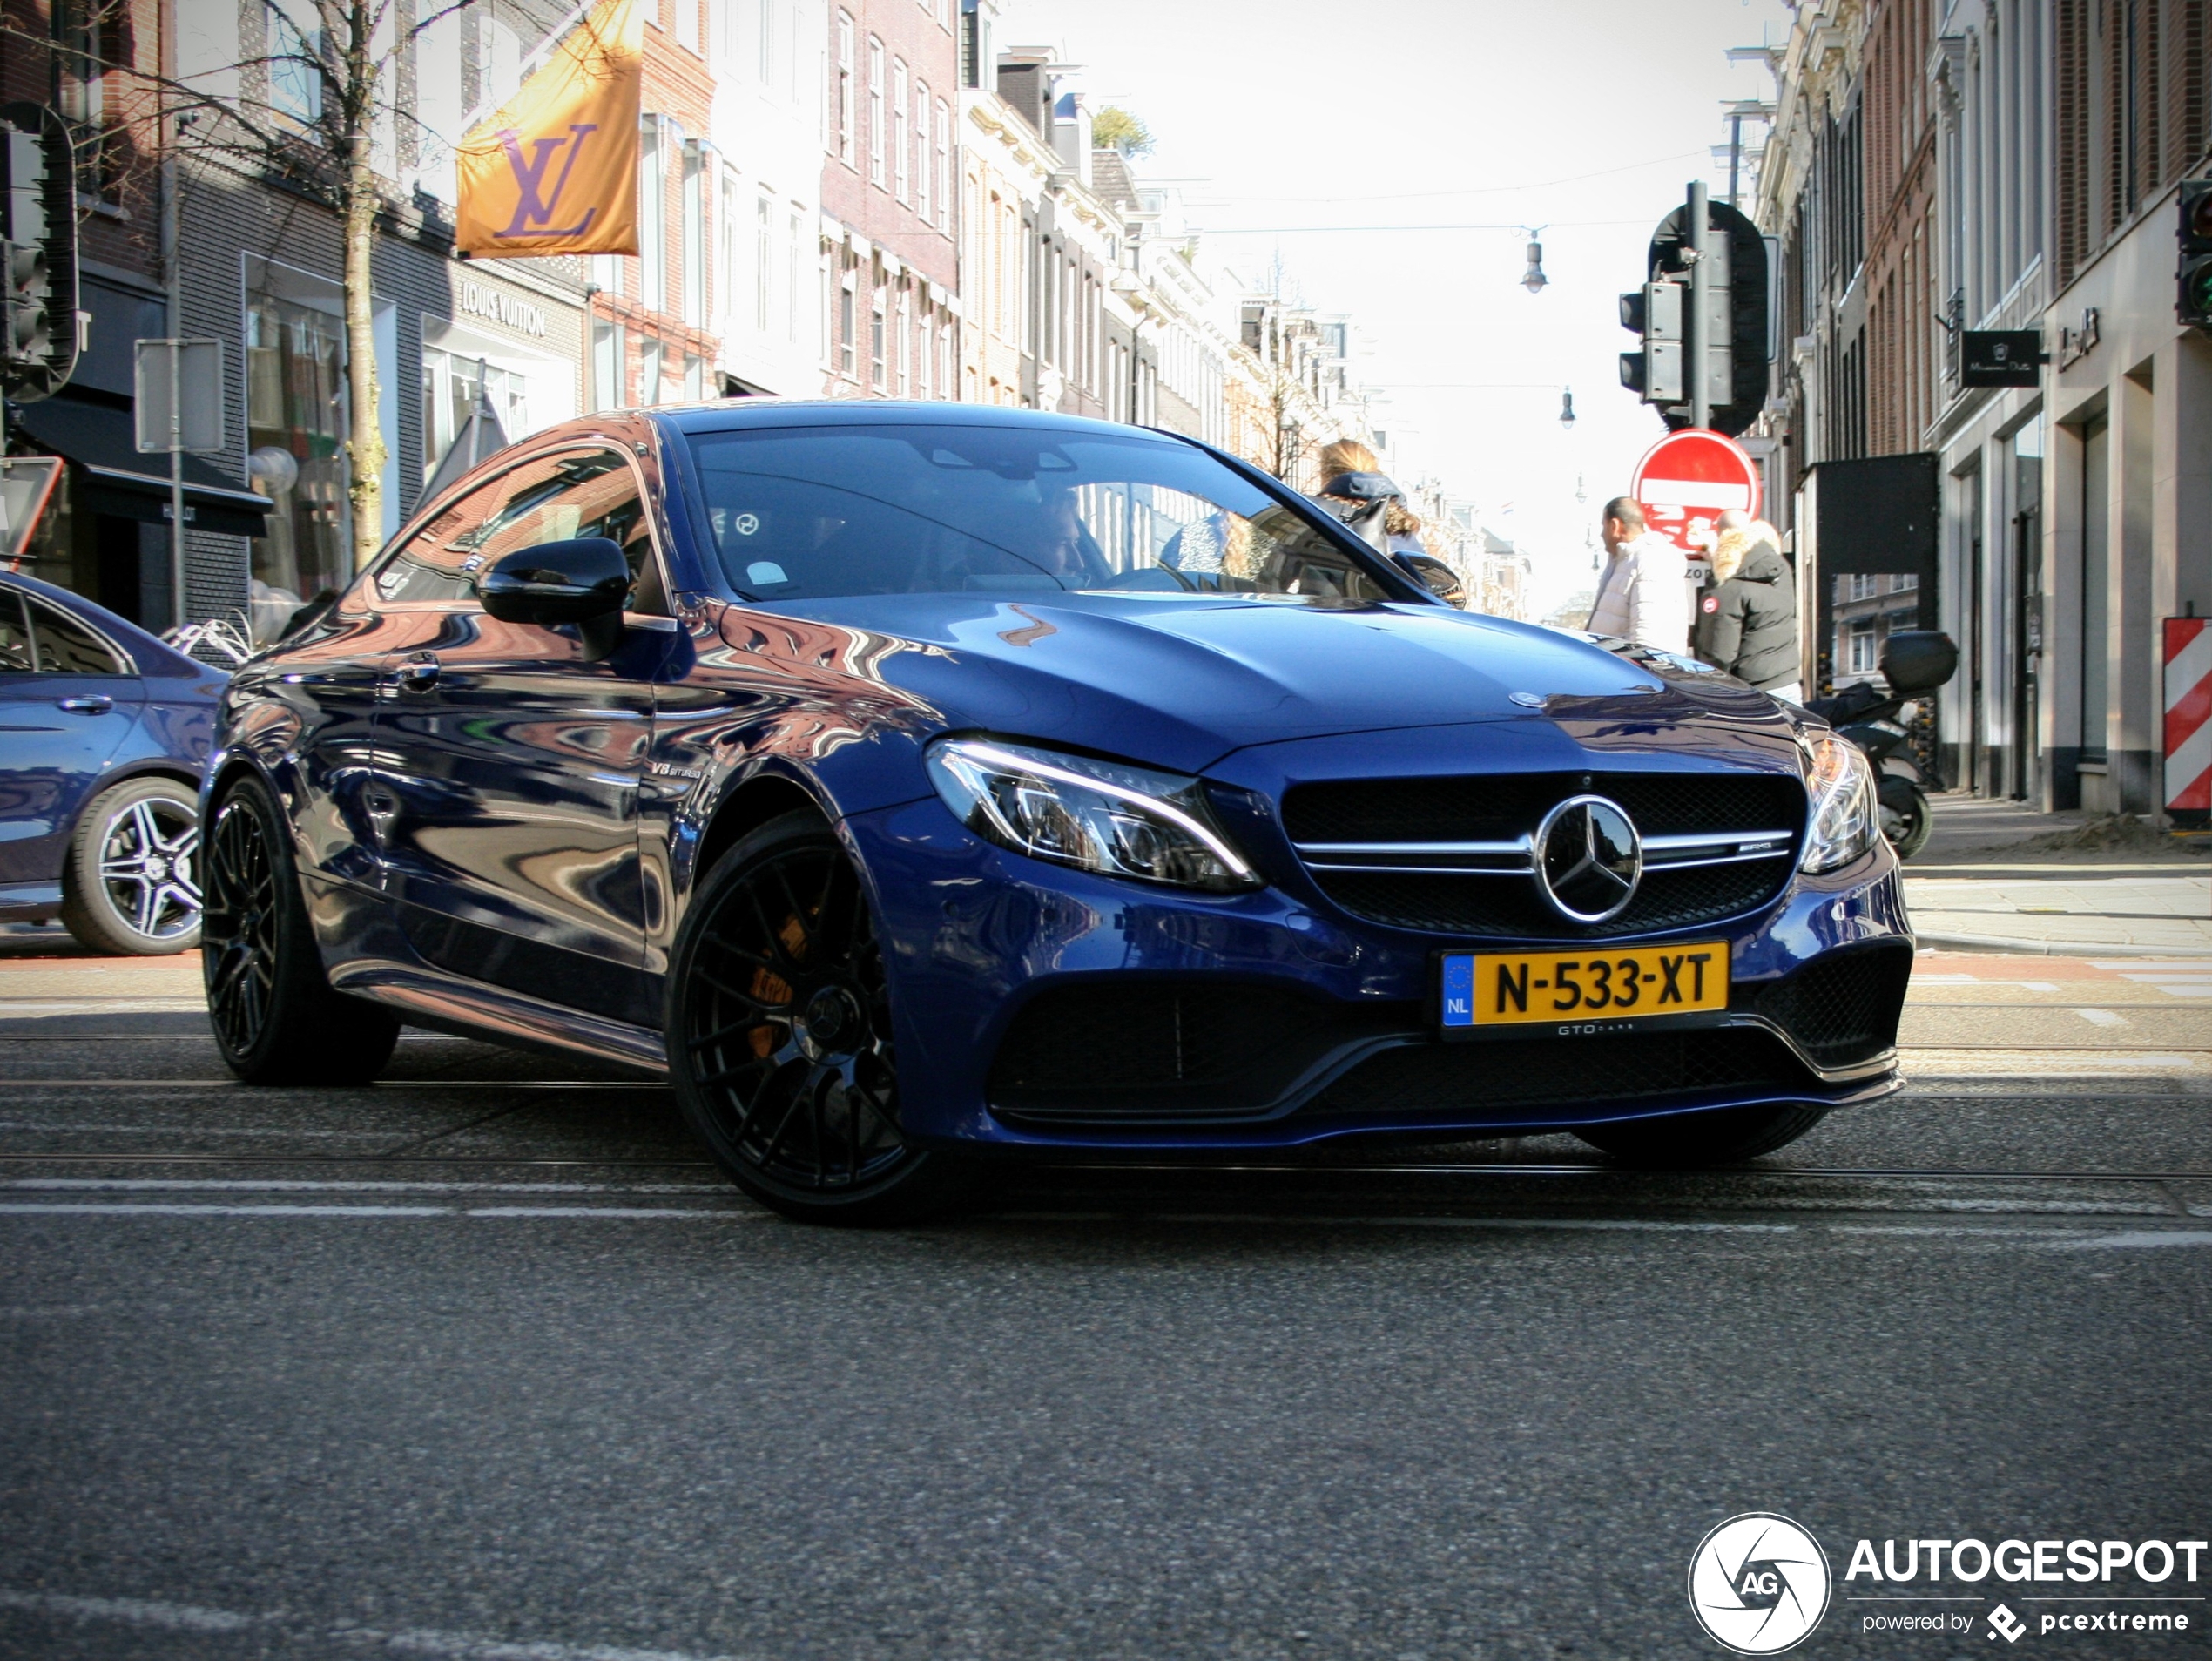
x=149 y=867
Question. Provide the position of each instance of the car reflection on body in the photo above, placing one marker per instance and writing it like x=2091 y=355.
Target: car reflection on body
x=917 y=784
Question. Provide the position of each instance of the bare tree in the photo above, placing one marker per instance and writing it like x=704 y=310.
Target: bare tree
x=309 y=108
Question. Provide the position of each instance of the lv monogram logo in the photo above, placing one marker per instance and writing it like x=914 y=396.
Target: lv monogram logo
x=532 y=207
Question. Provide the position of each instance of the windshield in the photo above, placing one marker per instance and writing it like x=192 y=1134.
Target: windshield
x=809 y=513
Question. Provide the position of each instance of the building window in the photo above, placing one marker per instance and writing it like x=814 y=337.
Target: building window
x=86 y=35
x=687 y=24
x=901 y=173
x=768 y=9
x=607 y=388
x=845 y=145
x=725 y=255
x=694 y=377
x=452 y=385
x=295 y=74
x=879 y=331
x=944 y=167
x=694 y=232
x=793 y=240
x=847 y=322
x=606 y=273
x=763 y=211
x=921 y=150
x=1865 y=651
x=652 y=217
x=875 y=112
x=651 y=355
x=906 y=342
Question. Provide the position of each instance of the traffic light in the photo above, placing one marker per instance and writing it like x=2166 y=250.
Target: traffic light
x=1737 y=345
x=37 y=253
x=1655 y=314
x=2194 y=305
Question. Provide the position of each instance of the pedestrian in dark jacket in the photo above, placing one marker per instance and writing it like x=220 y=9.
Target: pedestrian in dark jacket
x=1747 y=622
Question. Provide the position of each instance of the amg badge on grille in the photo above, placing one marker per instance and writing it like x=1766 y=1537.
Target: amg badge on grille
x=1589 y=859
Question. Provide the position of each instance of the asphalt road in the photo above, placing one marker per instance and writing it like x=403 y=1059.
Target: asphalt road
x=484 y=1362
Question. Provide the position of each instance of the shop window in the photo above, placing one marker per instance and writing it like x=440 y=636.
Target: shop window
x=451 y=385
x=296 y=432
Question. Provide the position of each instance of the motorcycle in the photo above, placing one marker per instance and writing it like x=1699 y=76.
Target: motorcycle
x=1914 y=662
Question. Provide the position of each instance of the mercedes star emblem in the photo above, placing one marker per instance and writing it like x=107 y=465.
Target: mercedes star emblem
x=1589 y=859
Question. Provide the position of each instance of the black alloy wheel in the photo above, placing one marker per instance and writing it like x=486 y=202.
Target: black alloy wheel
x=1724 y=1136
x=276 y=1020
x=779 y=1034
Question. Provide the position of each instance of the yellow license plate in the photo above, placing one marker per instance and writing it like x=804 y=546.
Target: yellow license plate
x=1629 y=983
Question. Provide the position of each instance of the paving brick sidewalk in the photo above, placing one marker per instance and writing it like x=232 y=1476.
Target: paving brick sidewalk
x=1982 y=884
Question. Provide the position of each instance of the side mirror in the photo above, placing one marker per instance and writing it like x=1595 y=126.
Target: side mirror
x=584 y=582
x=1435 y=576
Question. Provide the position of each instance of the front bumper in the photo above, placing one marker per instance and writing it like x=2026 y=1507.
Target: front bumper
x=1038 y=1007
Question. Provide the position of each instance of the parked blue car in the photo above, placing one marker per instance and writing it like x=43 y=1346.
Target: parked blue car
x=915 y=784
x=104 y=735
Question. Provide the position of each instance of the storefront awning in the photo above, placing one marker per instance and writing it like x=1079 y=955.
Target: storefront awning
x=99 y=440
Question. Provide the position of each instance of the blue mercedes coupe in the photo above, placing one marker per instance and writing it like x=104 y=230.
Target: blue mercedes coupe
x=923 y=786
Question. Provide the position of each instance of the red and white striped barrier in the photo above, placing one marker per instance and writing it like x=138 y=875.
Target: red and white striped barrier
x=2188 y=714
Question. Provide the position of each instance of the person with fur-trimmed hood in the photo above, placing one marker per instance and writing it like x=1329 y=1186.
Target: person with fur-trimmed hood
x=1352 y=479
x=1747 y=621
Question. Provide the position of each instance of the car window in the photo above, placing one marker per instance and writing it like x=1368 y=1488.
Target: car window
x=65 y=646
x=800 y=513
x=576 y=493
x=15 y=634
x=434 y=565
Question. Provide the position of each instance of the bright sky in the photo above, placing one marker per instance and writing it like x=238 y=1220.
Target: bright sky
x=1588 y=116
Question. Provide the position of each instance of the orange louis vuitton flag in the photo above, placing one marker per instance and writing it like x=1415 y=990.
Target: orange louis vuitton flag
x=555 y=170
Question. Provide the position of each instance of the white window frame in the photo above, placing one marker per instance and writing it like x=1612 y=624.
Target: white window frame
x=845 y=111
x=878 y=173
x=901 y=166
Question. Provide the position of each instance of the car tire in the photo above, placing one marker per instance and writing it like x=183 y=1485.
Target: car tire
x=1724 y=1137
x=778 y=1035
x=131 y=882
x=276 y=1019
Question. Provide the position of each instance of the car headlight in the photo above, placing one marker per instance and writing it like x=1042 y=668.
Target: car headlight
x=1095 y=815
x=1844 y=819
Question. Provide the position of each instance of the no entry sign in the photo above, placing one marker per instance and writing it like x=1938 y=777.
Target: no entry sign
x=1688 y=479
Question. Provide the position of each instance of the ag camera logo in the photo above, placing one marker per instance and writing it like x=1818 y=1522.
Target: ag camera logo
x=1759 y=1583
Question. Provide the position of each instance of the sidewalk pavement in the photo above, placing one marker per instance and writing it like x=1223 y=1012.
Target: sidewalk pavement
x=1990 y=880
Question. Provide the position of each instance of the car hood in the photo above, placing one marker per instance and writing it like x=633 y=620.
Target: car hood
x=1180 y=681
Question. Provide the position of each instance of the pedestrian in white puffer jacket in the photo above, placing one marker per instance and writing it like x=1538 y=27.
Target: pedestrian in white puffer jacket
x=1642 y=595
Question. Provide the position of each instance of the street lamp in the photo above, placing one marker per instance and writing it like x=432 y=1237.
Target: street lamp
x=1534 y=279
x=1567 y=408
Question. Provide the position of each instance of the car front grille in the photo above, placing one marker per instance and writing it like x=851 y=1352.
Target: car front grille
x=1635 y=1067
x=1112 y=1050
x=1842 y=1008
x=1451 y=855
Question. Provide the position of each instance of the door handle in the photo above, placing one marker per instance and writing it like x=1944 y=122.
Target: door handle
x=92 y=704
x=418 y=674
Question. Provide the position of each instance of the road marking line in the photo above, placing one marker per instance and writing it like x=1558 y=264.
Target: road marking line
x=2103 y=1018
x=138 y=1611
x=135 y=1208
x=458 y=1647
x=2135 y=1239
x=280 y=1184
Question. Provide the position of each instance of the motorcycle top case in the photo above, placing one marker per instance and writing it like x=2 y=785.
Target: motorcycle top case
x=1918 y=660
